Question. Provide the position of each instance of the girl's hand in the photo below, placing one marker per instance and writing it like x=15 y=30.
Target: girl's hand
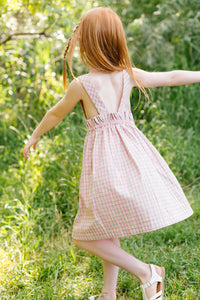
x=32 y=141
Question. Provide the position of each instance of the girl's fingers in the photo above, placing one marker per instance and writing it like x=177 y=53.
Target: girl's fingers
x=26 y=152
x=28 y=145
x=26 y=155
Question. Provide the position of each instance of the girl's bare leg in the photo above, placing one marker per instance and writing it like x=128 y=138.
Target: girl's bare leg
x=110 y=277
x=107 y=250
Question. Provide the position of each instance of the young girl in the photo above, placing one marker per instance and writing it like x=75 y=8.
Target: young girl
x=126 y=187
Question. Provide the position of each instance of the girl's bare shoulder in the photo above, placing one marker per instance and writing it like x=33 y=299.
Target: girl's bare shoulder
x=75 y=87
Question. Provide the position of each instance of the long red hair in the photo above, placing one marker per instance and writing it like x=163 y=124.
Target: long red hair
x=102 y=44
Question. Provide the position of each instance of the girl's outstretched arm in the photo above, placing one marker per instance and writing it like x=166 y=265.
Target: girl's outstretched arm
x=55 y=114
x=171 y=78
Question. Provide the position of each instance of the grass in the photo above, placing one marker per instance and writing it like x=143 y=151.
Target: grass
x=51 y=267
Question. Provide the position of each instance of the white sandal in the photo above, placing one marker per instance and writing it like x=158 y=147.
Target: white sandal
x=154 y=278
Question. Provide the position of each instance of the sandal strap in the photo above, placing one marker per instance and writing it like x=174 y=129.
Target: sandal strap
x=155 y=277
x=156 y=295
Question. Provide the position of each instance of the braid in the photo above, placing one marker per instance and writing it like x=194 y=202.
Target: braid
x=65 y=53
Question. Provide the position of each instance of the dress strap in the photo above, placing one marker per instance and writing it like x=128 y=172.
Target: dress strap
x=92 y=93
x=125 y=95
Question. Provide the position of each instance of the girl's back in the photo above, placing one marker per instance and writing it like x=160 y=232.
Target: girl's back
x=110 y=87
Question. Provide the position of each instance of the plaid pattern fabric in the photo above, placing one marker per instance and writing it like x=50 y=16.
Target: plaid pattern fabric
x=126 y=187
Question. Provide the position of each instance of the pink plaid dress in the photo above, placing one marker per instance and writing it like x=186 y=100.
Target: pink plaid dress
x=126 y=187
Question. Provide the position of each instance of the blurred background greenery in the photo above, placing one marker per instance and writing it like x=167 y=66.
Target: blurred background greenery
x=39 y=196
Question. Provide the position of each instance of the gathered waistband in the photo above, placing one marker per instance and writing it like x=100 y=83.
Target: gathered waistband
x=109 y=119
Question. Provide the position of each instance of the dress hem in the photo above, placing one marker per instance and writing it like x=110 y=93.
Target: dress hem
x=131 y=234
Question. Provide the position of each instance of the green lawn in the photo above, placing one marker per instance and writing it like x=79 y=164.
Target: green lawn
x=49 y=266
